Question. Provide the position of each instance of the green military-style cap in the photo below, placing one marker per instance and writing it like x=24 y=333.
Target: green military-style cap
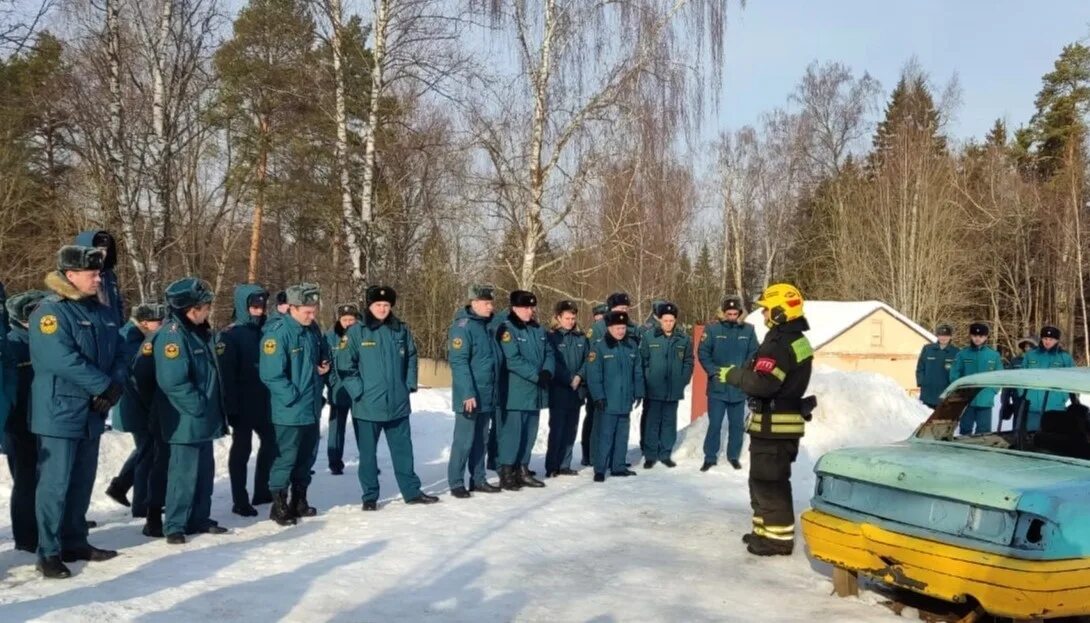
x=482 y=292
x=22 y=305
x=600 y=309
x=304 y=294
x=75 y=257
x=189 y=292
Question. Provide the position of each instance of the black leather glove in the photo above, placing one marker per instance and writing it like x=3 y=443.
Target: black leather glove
x=113 y=393
x=599 y=406
x=544 y=378
x=100 y=406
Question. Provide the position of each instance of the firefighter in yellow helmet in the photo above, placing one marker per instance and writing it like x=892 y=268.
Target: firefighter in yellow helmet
x=775 y=379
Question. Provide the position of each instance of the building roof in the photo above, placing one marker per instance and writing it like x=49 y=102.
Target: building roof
x=829 y=319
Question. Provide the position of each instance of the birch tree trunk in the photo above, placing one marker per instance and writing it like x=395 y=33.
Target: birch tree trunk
x=352 y=222
x=259 y=203
x=161 y=151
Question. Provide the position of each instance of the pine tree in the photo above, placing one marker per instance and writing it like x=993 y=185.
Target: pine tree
x=911 y=110
x=1062 y=106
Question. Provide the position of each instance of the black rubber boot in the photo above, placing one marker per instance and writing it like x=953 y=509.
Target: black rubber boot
x=299 y=505
x=526 y=478
x=118 y=492
x=764 y=546
x=508 y=480
x=153 y=525
x=51 y=567
x=280 y=512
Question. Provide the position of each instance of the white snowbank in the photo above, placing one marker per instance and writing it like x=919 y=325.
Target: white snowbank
x=661 y=546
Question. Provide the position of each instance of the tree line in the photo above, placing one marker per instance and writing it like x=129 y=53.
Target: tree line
x=552 y=145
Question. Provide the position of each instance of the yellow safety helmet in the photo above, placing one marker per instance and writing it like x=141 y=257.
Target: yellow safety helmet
x=783 y=301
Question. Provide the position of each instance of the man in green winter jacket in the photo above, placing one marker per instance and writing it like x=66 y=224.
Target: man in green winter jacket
x=566 y=393
x=586 y=435
x=384 y=353
x=189 y=408
x=933 y=366
x=341 y=370
x=978 y=356
x=1047 y=356
x=246 y=398
x=730 y=341
x=294 y=358
x=131 y=415
x=529 y=365
x=79 y=375
x=615 y=379
x=476 y=363
x=667 y=358
x=20 y=445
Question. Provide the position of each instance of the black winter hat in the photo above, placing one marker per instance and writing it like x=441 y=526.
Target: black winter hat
x=1050 y=331
x=146 y=312
x=189 y=292
x=616 y=318
x=74 y=257
x=618 y=298
x=600 y=309
x=347 y=309
x=381 y=294
x=282 y=297
x=944 y=329
x=22 y=305
x=482 y=292
x=565 y=306
x=666 y=309
x=732 y=301
x=257 y=299
x=978 y=328
x=522 y=298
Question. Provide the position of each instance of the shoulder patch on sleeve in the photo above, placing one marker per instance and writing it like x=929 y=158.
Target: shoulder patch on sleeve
x=765 y=365
x=590 y=332
x=456 y=343
x=48 y=324
x=171 y=351
x=269 y=347
x=147 y=349
x=506 y=336
x=591 y=356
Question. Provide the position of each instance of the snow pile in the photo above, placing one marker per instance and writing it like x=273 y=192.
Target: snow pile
x=854 y=408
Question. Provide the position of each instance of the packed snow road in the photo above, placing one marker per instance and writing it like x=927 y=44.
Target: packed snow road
x=663 y=546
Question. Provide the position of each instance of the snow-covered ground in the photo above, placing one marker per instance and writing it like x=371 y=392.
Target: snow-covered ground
x=663 y=546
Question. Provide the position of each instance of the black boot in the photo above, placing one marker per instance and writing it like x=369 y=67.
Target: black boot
x=153 y=525
x=669 y=463
x=624 y=472
x=244 y=510
x=706 y=466
x=508 y=480
x=566 y=471
x=423 y=498
x=299 y=505
x=280 y=512
x=599 y=477
x=460 y=492
x=92 y=554
x=176 y=539
x=735 y=463
x=117 y=491
x=764 y=546
x=526 y=478
x=51 y=567
x=484 y=487
x=648 y=464
x=370 y=505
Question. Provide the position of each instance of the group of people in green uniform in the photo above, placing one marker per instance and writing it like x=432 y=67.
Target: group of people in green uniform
x=73 y=358
x=942 y=363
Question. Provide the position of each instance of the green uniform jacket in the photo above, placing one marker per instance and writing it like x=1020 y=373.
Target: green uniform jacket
x=7 y=367
x=238 y=346
x=726 y=344
x=971 y=360
x=131 y=415
x=189 y=403
x=667 y=364
x=570 y=350
x=776 y=379
x=385 y=356
x=19 y=352
x=1039 y=358
x=75 y=349
x=476 y=361
x=342 y=370
x=933 y=371
x=290 y=354
x=526 y=353
x=615 y=373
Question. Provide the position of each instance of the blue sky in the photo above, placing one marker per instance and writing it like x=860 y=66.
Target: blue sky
x=999 y=49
